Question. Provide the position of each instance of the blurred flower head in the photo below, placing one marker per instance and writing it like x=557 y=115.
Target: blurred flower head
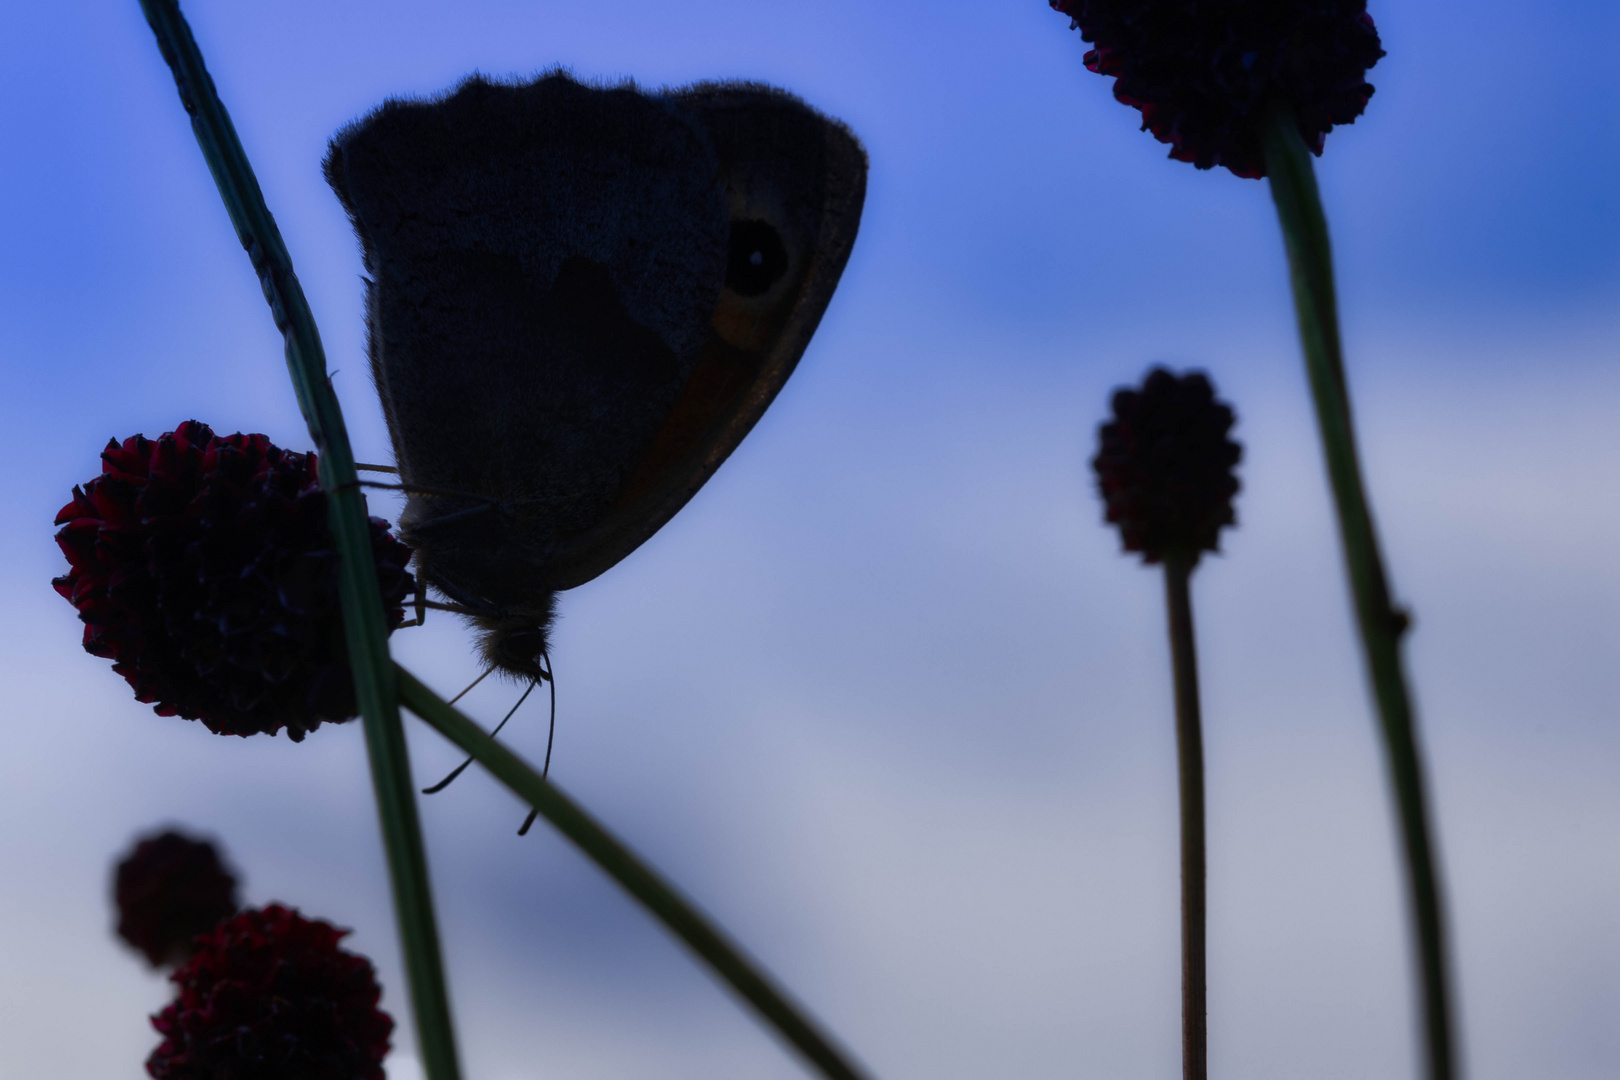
x=169 y=889
x=1203 y=71
x=269 y=995
x=1164 y=466
x=202 y=567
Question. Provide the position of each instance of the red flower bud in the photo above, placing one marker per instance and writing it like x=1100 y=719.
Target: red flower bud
x=203 y=568
x=168 y=890
x=1203 y=71
x=269 y=995
x=1164 y=466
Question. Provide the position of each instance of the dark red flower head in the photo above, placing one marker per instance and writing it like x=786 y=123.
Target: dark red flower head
x=1164 y=466
x=269 y=995
x=203 y=568
x=1202 y=71
x=168 y=890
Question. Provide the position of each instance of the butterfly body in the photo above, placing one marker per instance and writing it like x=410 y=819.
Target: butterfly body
x=580 y=300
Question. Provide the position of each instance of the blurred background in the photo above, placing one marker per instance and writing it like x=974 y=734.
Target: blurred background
x=886 y=698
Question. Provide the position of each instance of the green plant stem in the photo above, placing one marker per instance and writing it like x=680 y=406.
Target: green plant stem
x=365 y=628
x=1310 y=260
x=640 y=881
x=1190 y=772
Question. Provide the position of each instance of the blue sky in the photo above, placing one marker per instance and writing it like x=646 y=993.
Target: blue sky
x=885 y=697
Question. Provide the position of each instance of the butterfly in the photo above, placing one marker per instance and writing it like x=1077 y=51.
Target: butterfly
x=579 y=300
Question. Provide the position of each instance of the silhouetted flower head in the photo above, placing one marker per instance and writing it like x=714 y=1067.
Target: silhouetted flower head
x=1202 y=71
x=202 y=567
x=1164 y=466
x=168 y=890
x=269 y=995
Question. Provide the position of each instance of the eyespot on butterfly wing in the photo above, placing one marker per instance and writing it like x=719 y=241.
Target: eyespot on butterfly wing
x=579 y=301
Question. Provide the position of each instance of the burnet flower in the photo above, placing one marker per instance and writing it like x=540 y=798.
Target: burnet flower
x=1203 y=71
x=1164 y=466
x=202 y=566
x=1164 y=469
x=270 y=995
x=169 y=889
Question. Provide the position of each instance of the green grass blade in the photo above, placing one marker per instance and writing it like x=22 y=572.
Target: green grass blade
x=365 y=627
x=601 y=847
x=1381 y=624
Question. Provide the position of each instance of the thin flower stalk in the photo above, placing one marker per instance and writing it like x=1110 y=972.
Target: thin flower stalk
x=365 y=628
x=1190 y=777
x=1380 y=622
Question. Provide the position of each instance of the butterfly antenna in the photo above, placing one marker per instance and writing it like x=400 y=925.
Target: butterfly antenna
x=442 y=784
x=551 y=731
x=551 y=736
x=459 y=769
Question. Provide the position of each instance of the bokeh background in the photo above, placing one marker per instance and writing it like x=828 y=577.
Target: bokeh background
x=885 y=698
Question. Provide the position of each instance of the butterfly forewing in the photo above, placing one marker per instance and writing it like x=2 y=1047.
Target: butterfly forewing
x=795 y=182
x=580 y=300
